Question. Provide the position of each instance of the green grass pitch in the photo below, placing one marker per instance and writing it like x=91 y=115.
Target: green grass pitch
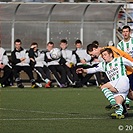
x=55 y=110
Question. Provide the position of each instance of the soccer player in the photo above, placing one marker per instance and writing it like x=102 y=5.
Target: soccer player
x=7 y=78
x=53 y=64
x=94 y=50
x=20 y=61
x=39 y=65
x=117 y=88
x=84 y=60
x=68 y=61
x=126 y=45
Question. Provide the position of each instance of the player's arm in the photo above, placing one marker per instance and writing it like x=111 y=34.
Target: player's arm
x=98 y=68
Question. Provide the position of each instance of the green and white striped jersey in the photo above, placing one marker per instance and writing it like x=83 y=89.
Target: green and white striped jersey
x=114 y=69
x=126 y=46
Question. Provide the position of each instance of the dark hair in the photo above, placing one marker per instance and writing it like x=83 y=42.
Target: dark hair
x=90 y=47
x=109 y=50
x=17 y=40
x=63 y=41
x=95 y=42
x=34 y=43
x=78 y=41
x=50 y=43
x=126 y=27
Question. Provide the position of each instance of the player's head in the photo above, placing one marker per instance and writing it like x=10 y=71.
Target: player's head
x=126 y=31
x=78 y=43
x=95 y=42
x=107 y=54
x=50 y=45
x=63 y=44
x=34 y=45
x=93 y=50
x=17 y=43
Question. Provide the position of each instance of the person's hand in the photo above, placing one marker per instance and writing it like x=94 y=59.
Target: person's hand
x=79 y=70
x=69 y=64
x=83 y=61
x=33 y=46
x=22 y=59
x=32 y=59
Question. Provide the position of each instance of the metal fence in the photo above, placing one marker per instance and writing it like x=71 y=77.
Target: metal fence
x=43 y=22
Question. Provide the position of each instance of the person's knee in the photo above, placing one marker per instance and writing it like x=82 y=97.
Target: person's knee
x=103 y=86
x=130 y=95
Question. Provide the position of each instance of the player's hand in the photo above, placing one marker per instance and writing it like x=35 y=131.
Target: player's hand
x=69 y=64
x=79 y=70
x=83 y=61
x=32 y=59
x=22 y=59
x=33 y=46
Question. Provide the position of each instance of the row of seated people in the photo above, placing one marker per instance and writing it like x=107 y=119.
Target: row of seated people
x=62 y=69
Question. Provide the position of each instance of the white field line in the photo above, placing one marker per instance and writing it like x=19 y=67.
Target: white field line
x=52 y=119
x=43 y=119
x=31 y=111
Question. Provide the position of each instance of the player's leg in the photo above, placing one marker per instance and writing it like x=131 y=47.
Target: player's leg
x=118 y=112
x=108 y=91
x=130 y=94
x=41 y=73
x=56 y=76
x=28 y=71
x=122 y=87
x=131 y=87
x=7 y=75
x=63 y=76
x=16 y=71
x=127 y=103
x=114 y=87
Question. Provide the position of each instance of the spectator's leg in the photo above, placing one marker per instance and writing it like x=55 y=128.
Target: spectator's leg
x=7 y=75
x=55 y=74
x=28 y=71
x=16 y=71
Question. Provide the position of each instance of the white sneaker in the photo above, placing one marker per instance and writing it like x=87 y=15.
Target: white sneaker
x=39 y=85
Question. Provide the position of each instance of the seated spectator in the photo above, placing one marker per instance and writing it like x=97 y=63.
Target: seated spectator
x=84 y=61
x=20 y=61
x=39 y=65
x=68 y=63
x=57 y=70
x=7 y=78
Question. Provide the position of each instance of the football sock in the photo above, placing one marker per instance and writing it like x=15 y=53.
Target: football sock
x=127 y=100
x=120 y=110
x=109 y=95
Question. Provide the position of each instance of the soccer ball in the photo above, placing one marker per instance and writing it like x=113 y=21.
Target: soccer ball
x=55 y=53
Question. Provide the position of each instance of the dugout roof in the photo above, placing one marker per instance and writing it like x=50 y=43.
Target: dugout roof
x=43 y=22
